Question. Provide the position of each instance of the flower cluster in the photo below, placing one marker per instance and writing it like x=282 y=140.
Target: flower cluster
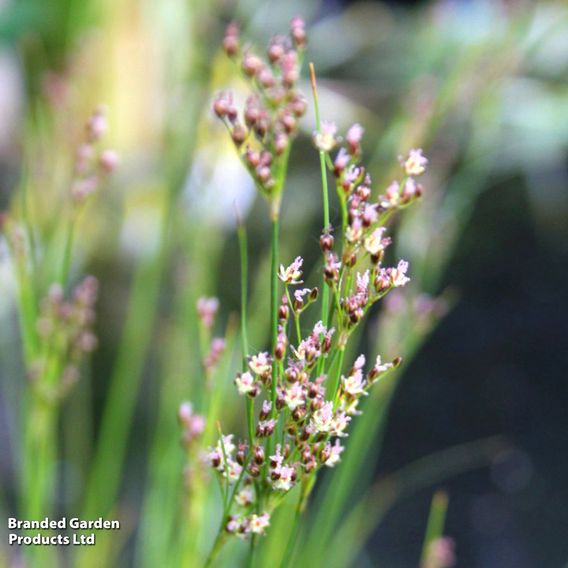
x=262 y=132
x=65 y=330
x=357 y=275
x=305 y=429
x=206 y=311
x=300 y=396
x=192 y=424
x=91 y=163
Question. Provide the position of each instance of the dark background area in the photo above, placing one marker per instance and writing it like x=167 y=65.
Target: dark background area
x=496 y=365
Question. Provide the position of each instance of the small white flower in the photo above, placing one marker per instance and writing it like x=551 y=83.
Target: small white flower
x=258 y=523
x=354 y=231
x=322 y=419
x=245 y=383
x=350 y=407
x=370 y=214
x=398 y=275
x=354 y=135
x=295 y=396
x=362 y=282
x=340 y=423
x=260 y=364
x=233 y=470
x=234 y=524
x=319 y=329
x=354 y=384
x=359 y=362
x=326 y=138
x=299 y=294
x=374 y=243
x=335 y=456
x=409 y=189
x=391 y=197
x=416 y=162
x=244 y=497
x=381 y=367
x=277 y=459
x=285 y=481
x=293 y=273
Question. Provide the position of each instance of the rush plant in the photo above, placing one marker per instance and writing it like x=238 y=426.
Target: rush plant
x=300 y=394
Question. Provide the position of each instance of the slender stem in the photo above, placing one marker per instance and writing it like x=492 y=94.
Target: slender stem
x=242 y=235
x=252 y=549
x=335 y=388
x=435 y=525
x=293 y=534
x=217 y=545
x=325 y=197
x=273 y=322
x=67 y=252
x=295 y=315
x=274 y=305
x=307 y=486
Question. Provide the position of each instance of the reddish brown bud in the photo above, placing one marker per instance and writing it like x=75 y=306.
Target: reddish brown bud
x=326 y=242
x=279 y=351
x=266 y=78
x=240 y=455
x=280 y=143
x=231 y=40
x=298 y=105
x=275 y=52
x=251 y=64
x=259 y=455
x=283 y=313
x=220 y=107
x=239 y=134
x=298 y=32
x=299 y=413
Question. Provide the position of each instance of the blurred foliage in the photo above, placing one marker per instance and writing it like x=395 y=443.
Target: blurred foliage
x=481 y=85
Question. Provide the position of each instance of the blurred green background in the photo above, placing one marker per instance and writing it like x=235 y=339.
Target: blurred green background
x=481 y=85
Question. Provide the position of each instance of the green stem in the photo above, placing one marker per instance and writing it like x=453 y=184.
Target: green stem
x=273 y=322
x=307 y=486
x=217 y=545
x=335 y=389
x=436 y=521
x=295 y=315
x=67 y=252
x=252 y=550
x=325 y=198
x=242 y=235
x=274 y=306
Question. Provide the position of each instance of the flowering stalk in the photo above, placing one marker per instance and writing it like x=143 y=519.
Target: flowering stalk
x=308 y=401
x=56 y=325
x=325 y=192
x=438 y=550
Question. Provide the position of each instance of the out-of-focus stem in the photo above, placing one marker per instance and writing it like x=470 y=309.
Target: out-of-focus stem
x=436 y=522
x=67 y=252
x=307 y=486
x=243 y=253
